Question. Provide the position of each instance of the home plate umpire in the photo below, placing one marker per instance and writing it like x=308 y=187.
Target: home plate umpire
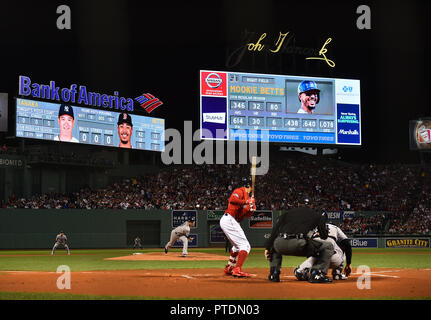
x=292 y=236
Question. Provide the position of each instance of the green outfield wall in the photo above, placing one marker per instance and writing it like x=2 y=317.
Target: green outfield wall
x=37 y=229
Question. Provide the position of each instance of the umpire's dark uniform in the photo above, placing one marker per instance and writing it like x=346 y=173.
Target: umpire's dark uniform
x=292 y=236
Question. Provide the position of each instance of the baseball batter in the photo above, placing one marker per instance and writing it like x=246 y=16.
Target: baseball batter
x=342 y=254
x=240 y=205
x=60 y=240
x=182 y=233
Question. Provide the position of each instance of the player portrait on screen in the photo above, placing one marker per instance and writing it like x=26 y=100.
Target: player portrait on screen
x=308 y=95
x=66 y=121
x=125 y=130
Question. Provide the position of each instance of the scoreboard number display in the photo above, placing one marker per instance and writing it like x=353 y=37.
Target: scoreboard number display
x=237 y=121
x=256 y=106
x=308 y=124
x=238 y=105
x=274 y=108
x=326 y=124
x=292 y=123
x=256 y=121
x=274 y=122
x=40 y=120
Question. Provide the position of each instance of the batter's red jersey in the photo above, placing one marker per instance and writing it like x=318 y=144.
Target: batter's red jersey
x=237 y=207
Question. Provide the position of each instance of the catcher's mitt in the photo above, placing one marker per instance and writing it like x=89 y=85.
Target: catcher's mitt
x=347 y=270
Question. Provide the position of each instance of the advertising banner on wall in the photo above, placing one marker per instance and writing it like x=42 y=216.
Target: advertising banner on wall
x=337 y=216
x=334 y=216
x=11 y=161
x=181 y=216
x=407 y=242
x=261 y=219
x=215 y=214
x=364 y=243
x=216 y=234
x=348 y=215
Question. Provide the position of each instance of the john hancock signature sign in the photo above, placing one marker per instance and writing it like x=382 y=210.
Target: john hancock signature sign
x=282 y=46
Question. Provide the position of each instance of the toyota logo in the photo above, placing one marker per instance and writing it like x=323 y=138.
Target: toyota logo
x=213 y=80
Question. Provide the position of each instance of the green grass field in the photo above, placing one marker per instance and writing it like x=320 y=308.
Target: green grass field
x=92 y=260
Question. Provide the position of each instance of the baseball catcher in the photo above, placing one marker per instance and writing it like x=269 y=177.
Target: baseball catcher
x=342 y=254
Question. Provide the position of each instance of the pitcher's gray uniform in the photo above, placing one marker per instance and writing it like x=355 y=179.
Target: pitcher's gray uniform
x=60 y=240
x=182 y=233
x=337 y=237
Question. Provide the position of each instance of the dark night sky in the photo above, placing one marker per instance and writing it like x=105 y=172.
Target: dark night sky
x=137 y=46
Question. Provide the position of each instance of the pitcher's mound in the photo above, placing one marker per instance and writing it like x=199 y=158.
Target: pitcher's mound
x=151 y=256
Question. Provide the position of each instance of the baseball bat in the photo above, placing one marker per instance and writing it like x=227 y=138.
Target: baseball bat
x=253 y=174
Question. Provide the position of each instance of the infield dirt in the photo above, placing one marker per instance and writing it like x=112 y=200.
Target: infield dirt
x=171 y=256
x=213 y=284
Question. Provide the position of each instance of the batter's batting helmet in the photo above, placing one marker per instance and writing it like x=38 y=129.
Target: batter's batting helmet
x=308 y=85
x=246 y=181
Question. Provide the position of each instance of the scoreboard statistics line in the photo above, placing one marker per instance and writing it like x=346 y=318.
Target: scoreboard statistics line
x=262 y=107
x=39 y=120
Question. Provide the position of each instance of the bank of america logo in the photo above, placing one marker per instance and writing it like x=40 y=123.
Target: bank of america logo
x=148 y=102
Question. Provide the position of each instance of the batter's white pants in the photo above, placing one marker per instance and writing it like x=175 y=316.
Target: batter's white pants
x=234 y=233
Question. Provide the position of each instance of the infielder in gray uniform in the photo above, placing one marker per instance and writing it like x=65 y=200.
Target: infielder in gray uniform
x=61 y=239
x=342 y=254
x=181 y=232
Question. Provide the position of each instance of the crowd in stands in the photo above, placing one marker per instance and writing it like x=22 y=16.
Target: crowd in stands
x=364 y=225
x=417 y=222
x=401 y=192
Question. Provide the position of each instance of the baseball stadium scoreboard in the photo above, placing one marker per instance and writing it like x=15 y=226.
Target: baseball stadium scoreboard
x=263 y=107
x=39 y=120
